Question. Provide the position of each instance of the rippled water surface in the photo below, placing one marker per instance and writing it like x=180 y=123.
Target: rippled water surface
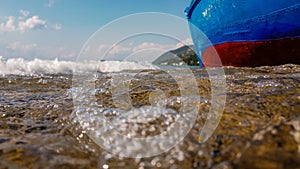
x=260 y=127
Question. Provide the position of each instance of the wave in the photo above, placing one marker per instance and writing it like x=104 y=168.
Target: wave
x=20 y=66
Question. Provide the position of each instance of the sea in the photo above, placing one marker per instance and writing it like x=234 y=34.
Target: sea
x=122 y=114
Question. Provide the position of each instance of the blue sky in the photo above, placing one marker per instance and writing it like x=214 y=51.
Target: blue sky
x=51 y=29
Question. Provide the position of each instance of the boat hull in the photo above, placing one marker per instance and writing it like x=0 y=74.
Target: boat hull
x=246 y=33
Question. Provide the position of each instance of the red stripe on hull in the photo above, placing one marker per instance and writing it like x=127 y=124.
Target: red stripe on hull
x=252 y=54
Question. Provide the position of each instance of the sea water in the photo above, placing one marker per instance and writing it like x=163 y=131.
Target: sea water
x=41 y=126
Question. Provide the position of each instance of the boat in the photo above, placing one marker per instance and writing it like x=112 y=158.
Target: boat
x=247 y=33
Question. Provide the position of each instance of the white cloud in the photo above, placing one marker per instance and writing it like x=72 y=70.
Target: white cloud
x=21 y=47
x=186 y=42
x=50 y=3
x=117 y=49
x=33 y=50
x=149 y=45
x=101 y=49
x=25 y=23
x=32 y=23
x=57 y=27
x=24 y=13
x=64 y=53
x=9 y=25
x=121 y=49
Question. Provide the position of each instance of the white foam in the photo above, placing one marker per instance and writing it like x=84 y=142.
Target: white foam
x=19 y=66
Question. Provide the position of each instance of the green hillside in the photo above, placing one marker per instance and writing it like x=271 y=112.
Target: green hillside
x=182 y=56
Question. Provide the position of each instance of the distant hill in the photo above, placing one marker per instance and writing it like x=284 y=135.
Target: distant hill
x=182 y=56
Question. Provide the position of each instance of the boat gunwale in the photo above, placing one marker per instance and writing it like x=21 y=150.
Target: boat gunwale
x=252 y=19
x=191 y=8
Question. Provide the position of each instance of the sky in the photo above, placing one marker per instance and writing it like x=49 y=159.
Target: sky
x=49 y=29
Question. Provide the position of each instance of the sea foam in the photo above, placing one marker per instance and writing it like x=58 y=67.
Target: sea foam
x=20 y=66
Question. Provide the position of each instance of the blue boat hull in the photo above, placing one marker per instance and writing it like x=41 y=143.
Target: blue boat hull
x=240 y=29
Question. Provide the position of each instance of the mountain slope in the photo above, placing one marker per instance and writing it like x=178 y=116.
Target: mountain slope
x=182 y=56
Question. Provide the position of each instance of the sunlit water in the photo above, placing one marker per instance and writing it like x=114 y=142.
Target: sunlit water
x=41 y=128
